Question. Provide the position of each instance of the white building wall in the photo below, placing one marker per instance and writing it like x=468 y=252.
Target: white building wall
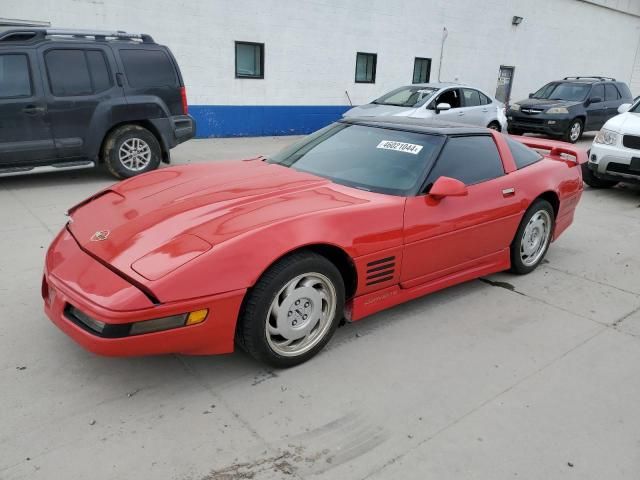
x=311 y=45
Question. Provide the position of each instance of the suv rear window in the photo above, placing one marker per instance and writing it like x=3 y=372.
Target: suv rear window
x=148 y=68
x=522 y=155
x=14 y=76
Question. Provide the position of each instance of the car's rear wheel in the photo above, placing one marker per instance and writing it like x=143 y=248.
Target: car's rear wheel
x=131 y=150
x=574 y=132
x=533 y=237
x=292 y=311
x=495 y=126
x=590 y=179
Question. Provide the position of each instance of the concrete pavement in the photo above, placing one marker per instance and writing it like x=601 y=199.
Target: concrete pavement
x=533 y=377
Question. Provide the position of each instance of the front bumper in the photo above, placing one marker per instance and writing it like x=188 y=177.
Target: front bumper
x=614 y=162
x=72 y=277
x=554 y=125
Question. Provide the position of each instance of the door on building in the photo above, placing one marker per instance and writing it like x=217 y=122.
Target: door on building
x=505 y=80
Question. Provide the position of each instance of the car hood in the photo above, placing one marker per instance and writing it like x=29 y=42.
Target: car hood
x=154 y=223
x=544 y=103
x=625 y=123
x=374 y=110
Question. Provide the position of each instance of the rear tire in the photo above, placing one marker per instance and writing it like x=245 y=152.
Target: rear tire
x=533 y=237
x=594 y=182
x=495 y=126
x=131 y=150
x=292 y=311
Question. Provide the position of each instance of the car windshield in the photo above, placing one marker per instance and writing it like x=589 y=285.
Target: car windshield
x=369 y=158
x=414 y=96
x=575 y=92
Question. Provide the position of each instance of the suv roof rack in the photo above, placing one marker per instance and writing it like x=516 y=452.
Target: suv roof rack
x=595 y=77
x=98 y=35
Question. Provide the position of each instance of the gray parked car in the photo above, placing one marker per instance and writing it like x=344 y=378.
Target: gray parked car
x=444 y=101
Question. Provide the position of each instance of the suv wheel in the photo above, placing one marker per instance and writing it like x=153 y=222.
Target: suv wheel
x=574 y=132
x=131 y=150
x=514 y=131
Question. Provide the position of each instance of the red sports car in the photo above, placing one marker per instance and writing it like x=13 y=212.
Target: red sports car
x=272 y=253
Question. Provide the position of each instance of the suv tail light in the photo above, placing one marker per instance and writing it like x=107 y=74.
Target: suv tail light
x=183 y=95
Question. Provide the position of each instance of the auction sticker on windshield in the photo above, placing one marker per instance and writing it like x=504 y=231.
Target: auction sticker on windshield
x=400 y=146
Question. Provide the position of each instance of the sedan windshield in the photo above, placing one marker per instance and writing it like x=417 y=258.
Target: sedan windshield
x=414 y=96
x=574 y=92
x=369 y=158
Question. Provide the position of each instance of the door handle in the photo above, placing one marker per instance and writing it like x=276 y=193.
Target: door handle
x=34 y=109
x=460 y=114
x=508 y=192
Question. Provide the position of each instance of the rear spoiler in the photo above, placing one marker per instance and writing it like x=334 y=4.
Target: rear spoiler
x=557 y=150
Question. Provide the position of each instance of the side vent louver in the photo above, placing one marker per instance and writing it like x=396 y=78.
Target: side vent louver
x=381 y=270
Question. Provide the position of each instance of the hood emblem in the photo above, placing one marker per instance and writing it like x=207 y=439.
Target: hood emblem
x=100 y=235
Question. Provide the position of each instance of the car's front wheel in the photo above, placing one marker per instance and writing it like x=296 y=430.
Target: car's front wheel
x=292 y=311
x=533 y=237
x=574 y=132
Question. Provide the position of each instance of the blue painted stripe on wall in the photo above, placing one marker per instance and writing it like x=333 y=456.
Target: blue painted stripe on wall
x=257 y=121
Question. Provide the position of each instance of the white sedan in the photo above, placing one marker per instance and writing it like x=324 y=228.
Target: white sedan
x=443 y=101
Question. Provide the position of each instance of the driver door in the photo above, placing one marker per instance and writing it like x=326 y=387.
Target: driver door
x=453 y=234
x=454 y=98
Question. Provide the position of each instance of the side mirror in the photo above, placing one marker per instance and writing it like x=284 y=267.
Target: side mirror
x=442 y=107
x=448 y=187
x=531 y=95
x=624 y=108
x=595 y=100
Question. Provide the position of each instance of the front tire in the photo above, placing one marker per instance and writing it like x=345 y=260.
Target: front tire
x=594 y=182
x=533 y=237
x=292 y=311
x=131 y=150
x=574 y=132
x=514 y=131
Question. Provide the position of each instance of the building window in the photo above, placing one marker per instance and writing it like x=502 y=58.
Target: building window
x=366 y=67
x=421 y=70
x=249 y=60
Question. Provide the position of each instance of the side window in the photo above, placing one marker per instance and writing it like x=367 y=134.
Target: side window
x=484 y=100
x=15 y=80
x=522 y=155
x=452 y=97
x=68 y=73
x=471 y=97
x=597 y=91
x=624 y=90
x=99 y=71
x=148 y=68
x=469 y=159
x=611 y=92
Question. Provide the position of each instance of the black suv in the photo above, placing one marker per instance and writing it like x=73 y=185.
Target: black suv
x=566 y=108
x=71 y=99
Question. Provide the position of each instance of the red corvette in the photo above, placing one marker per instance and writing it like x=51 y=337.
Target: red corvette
x=271 y=253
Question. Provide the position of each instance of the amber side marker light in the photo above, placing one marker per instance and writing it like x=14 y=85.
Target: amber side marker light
x=196 y=317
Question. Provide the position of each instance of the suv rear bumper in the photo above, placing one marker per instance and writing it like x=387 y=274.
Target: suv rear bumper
x=184 y=127
x=555 y=125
